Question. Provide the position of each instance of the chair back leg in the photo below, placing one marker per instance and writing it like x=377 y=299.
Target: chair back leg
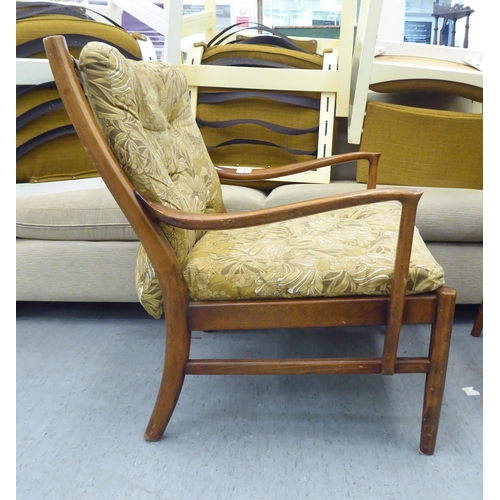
x=177 y=348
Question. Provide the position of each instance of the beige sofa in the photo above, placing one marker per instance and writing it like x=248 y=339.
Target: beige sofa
x=74 y=244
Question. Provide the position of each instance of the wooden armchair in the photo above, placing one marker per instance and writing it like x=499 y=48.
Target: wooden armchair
x=347 y=260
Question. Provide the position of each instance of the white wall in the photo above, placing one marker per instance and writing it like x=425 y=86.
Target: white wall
x=478 y=25
x=392 y=20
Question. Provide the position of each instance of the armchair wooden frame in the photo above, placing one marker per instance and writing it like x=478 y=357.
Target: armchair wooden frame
x=183 y=315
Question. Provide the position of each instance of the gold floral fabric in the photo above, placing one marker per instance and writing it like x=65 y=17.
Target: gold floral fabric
x=143 y=110
x=344 y=252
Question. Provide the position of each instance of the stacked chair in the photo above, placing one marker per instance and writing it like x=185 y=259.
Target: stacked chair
x=47 y=147
x=263 y=100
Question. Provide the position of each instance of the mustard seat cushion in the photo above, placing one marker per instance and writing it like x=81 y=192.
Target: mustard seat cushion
x=344 y=252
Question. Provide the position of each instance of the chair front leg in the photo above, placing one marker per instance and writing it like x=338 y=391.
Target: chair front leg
x=435 y=380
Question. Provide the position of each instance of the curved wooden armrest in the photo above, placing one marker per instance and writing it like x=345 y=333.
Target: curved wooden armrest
x=408 y=197
x=259 y=174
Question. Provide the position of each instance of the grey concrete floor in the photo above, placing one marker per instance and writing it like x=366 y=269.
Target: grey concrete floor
x=87 y=376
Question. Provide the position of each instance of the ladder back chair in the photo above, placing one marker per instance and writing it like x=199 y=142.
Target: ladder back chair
x=353 y=259
x=266 y=104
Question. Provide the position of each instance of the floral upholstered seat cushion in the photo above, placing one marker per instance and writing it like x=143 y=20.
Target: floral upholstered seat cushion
x=344 y=252
x=143 y=110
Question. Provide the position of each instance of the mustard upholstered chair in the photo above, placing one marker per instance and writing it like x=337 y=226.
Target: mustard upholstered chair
x=423 y=147
x=348 y=260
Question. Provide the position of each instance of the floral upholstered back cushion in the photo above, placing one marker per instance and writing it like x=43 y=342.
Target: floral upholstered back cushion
x=144 y=112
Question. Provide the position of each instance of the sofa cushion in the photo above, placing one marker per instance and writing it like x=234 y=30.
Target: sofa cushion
x=75 y=271
x=242 y=198
x=76 y=215
x=444 y=214
x=84 y=210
